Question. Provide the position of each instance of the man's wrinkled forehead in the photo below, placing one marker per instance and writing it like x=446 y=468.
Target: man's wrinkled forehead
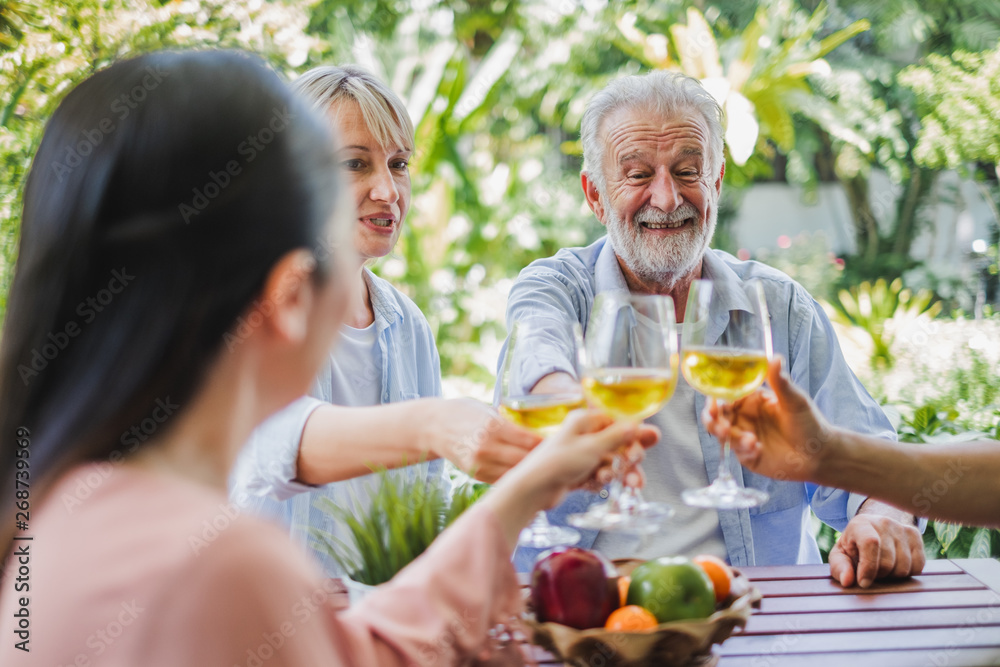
x=633 y=133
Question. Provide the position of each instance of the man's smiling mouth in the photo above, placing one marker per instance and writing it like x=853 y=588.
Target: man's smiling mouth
x=666 y=225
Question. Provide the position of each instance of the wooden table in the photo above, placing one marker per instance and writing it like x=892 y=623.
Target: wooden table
x=949 y=616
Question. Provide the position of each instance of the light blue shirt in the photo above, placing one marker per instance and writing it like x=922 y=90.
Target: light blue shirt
x=407 y=366
x=563 y=287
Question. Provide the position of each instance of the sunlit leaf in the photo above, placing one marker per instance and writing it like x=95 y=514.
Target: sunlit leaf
x=946 y=533
x=741 y=127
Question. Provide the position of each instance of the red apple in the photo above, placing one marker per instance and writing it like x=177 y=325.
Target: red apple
x=574 y=587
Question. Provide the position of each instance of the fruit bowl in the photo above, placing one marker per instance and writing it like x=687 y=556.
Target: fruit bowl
x=674 y=644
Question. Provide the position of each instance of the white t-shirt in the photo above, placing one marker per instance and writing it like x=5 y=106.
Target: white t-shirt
x=356 y=367
x=674 y=464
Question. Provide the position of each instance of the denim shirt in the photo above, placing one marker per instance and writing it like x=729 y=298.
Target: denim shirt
x=563 y=287
x=263 y=480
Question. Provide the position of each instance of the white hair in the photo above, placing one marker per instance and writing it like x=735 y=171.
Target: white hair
x=661 y=92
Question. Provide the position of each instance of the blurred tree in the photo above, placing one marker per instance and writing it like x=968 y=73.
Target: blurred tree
x=497 y=90
x=49 y=47
x=879 y=120
x=14 y=18
x=959 y=102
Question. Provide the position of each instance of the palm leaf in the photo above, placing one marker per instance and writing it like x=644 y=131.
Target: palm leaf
x=831 y=42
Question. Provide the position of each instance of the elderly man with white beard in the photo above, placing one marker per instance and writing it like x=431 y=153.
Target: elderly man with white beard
x=653 y=168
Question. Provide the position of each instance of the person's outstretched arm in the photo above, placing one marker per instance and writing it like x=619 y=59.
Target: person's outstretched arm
x=780 y=434
x=311 y=443
x=340 y=442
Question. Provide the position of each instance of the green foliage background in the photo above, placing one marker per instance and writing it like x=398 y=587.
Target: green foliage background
x=497 y=88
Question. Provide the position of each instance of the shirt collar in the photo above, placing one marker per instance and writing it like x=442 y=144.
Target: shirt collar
x=386 y=309
x=728 y=294
x=726 y=285
x=607 y=272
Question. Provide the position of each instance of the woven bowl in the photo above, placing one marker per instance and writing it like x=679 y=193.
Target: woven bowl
x=674 y=644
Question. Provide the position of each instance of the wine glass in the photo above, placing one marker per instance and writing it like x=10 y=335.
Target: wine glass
x=630 y=372
x=726 y=370
x=540 y=411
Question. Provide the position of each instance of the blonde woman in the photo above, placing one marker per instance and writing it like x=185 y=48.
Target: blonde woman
x=360 y=413
x=116 y=549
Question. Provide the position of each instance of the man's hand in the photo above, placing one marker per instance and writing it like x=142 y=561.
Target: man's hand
x=557 y=383
x=874 y=546
x=475 y=438
x=778 y=433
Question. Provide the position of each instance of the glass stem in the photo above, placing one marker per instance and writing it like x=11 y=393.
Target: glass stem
x=725 y=478
x=540 y=522
x=617 y=485
x=724 y=474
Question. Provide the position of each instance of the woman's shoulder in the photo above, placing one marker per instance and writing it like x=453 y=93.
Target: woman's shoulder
x=191 y=563
x=250 y=584
x=167 y=521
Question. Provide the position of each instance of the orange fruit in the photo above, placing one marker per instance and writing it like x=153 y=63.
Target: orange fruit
x=623 y=584
x=719 y=572
x=631 y=618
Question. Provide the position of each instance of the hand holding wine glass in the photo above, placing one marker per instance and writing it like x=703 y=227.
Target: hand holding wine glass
x=540 y=411
x=726 y=369
x=630 y=372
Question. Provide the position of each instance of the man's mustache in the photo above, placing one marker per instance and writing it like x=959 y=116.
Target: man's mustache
x=648 y=214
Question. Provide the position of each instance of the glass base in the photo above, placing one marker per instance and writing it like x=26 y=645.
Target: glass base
x=642 y=518
x=724 y=496
x=541 y=534
x=551 y=536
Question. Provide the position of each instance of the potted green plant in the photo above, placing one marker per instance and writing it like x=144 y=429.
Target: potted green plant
x=404 y=515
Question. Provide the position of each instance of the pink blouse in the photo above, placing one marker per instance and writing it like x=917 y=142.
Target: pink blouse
x=137 y=569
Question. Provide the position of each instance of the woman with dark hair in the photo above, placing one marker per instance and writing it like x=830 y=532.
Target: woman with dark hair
x=184 y=267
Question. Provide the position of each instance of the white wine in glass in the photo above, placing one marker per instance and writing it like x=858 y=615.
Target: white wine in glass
x=724 y=374
x=540 y=412
x=630 y=393
x=727 y=369
x=629 y=372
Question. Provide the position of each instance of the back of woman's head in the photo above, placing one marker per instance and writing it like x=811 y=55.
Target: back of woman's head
x=385 y=114
x=164 y=190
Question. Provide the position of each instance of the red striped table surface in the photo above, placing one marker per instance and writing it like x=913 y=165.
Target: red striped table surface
x=948 y=616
